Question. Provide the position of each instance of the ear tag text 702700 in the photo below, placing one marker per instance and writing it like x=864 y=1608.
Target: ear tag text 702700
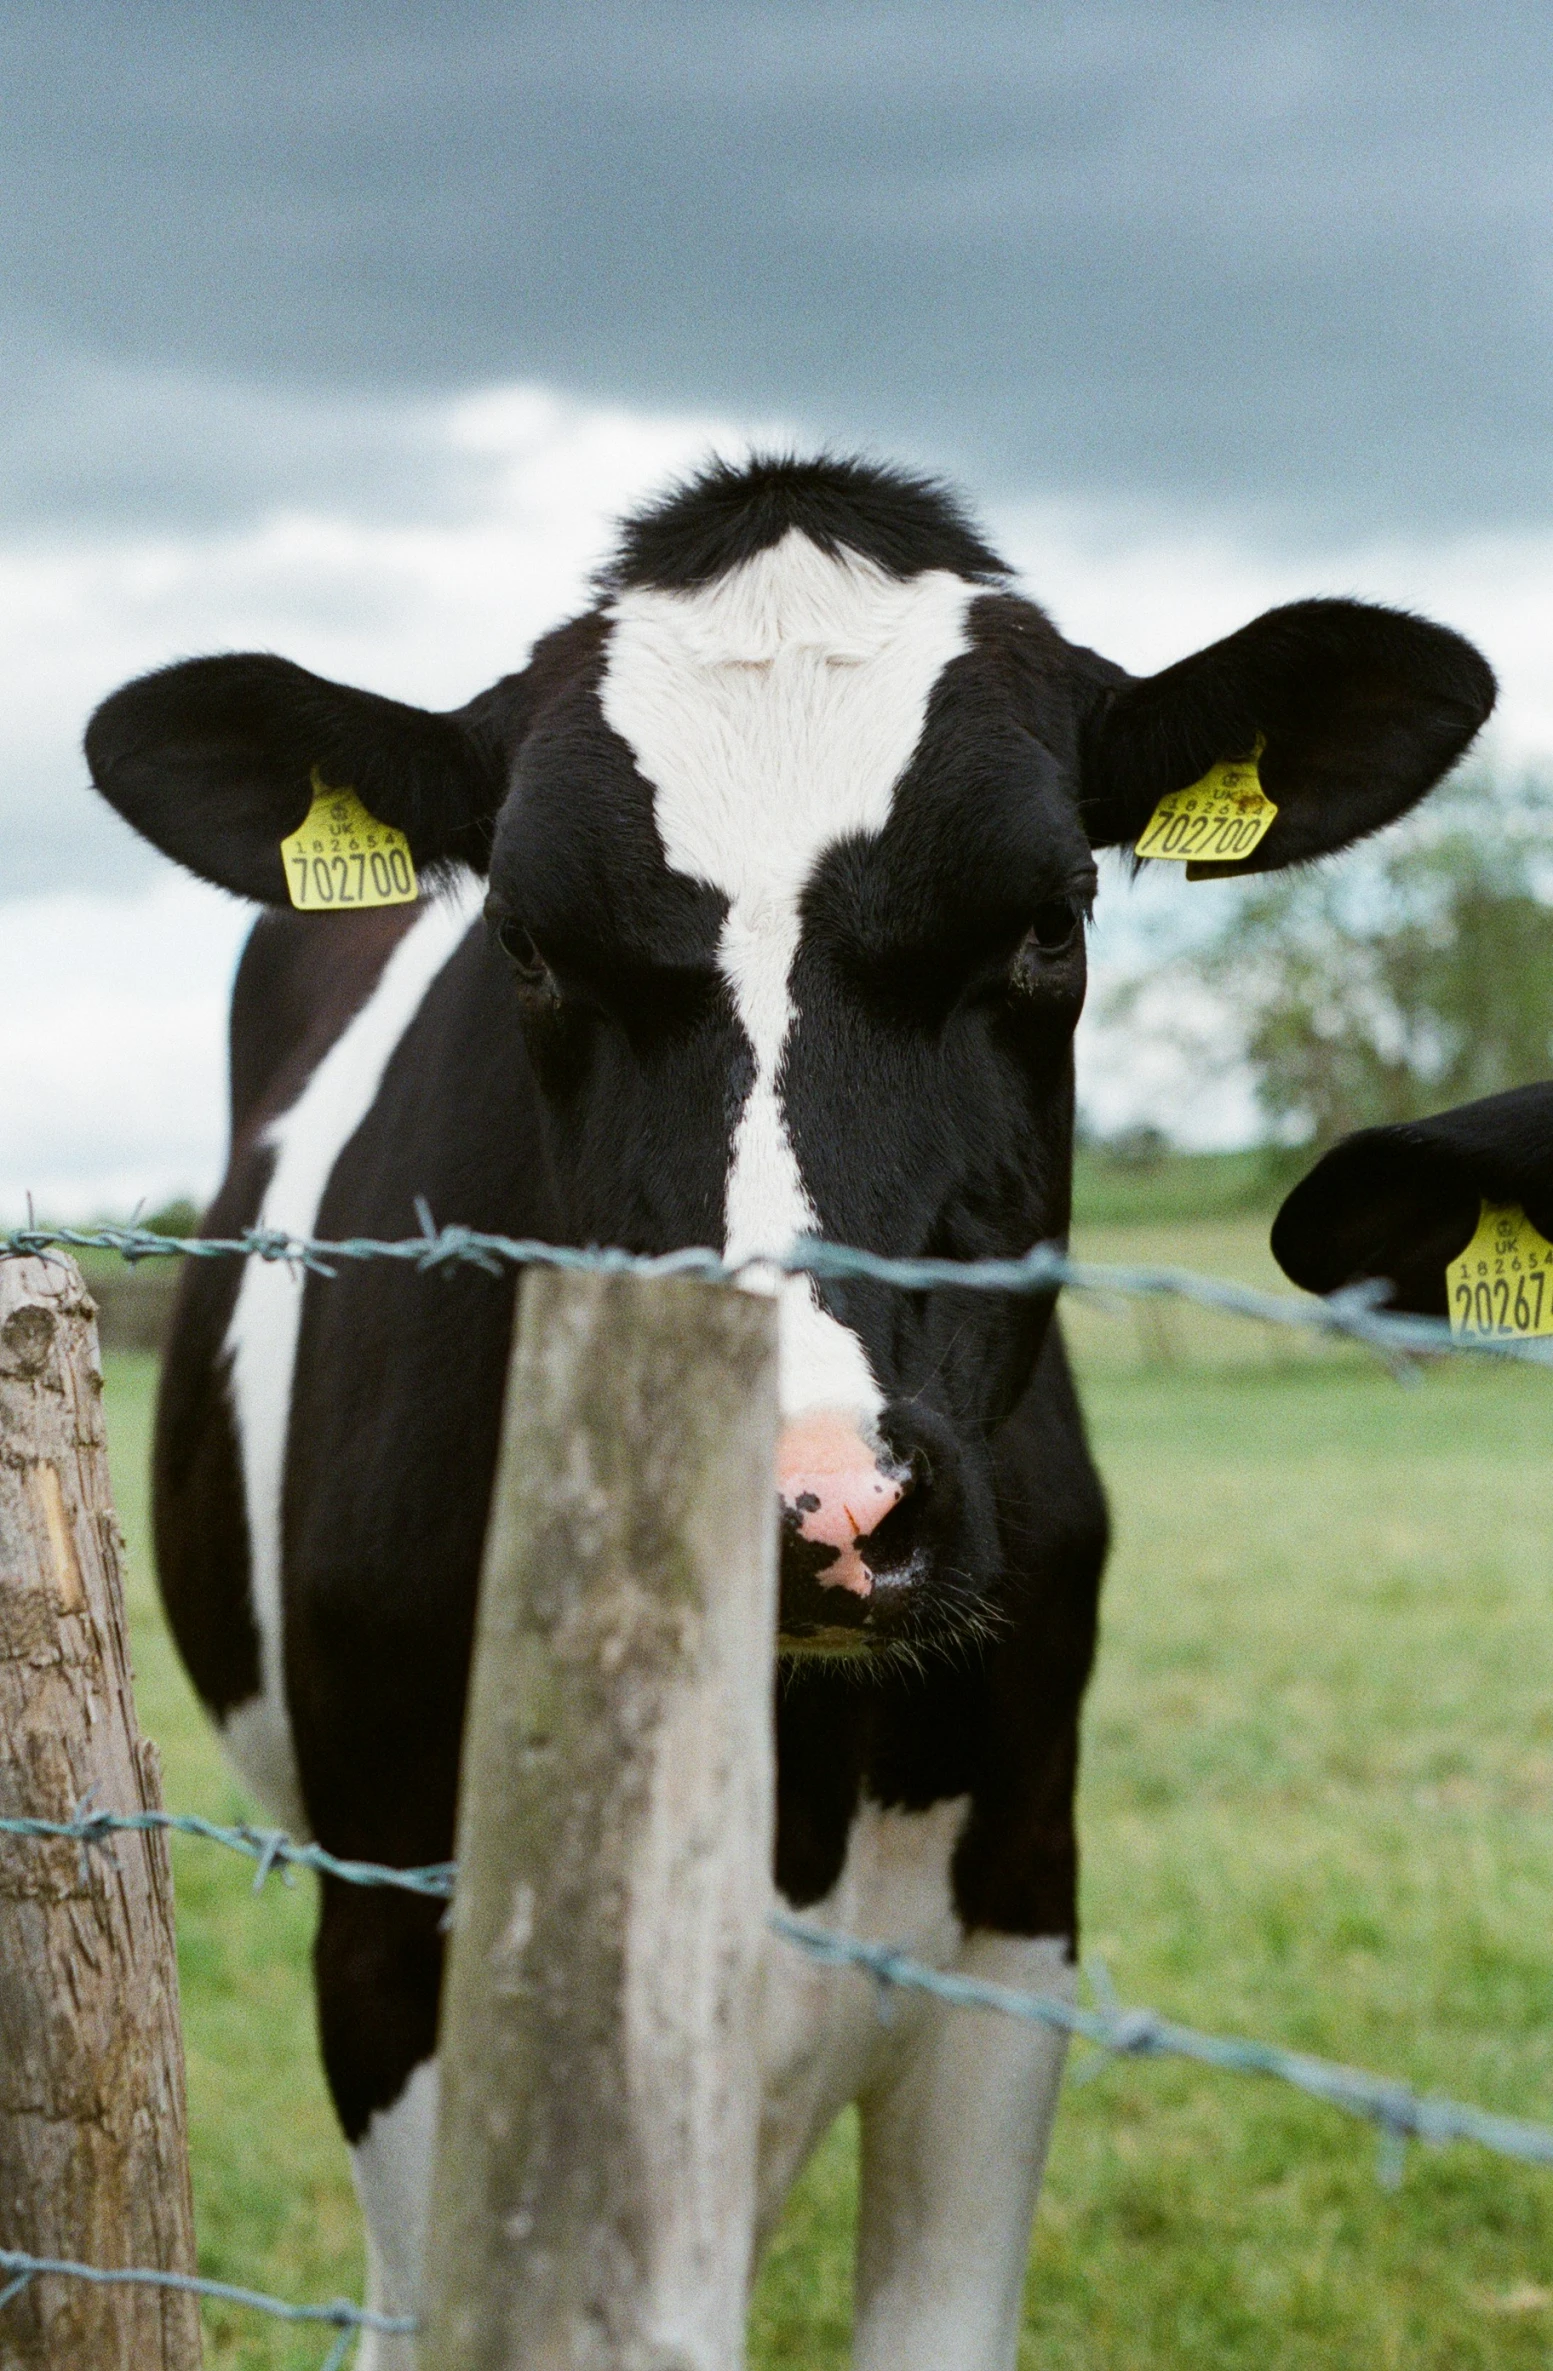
x=1218 y=820
x=1501 y=1286
x=342 y=857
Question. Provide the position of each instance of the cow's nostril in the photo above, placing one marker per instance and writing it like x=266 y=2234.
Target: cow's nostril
x=893 y=1542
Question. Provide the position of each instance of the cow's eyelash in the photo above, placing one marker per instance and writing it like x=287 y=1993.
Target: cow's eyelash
x=527 y=963
x=1053 y=920
x=516 y=944
x=1053 y=923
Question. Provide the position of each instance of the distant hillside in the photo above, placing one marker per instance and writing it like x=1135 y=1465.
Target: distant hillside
x=1154 y=1186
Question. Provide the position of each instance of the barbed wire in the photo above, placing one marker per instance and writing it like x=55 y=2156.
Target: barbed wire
x=272 y=1848
x=340 y=2313
x=1400 y=2112
x=1354 y=1314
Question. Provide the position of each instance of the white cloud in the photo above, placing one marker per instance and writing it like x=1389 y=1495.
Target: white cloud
x=428 y=610
x=114 y=973
x=1147 y=591
x=113 y=1057
x=1173 y=1062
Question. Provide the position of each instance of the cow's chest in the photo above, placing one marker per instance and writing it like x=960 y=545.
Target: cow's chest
x=829 y=2034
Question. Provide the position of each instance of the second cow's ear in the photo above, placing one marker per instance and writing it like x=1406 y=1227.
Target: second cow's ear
x=1358 y=710
x=213 y=762
x=1402 y=1203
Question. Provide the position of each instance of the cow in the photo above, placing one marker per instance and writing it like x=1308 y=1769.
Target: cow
x=786 y=847
x=1400 y=1204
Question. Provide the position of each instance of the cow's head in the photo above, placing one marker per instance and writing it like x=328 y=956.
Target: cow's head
x=1399 y=1204
x=790 y=844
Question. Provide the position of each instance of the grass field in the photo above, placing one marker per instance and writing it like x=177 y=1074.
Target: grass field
x=1317 y=1807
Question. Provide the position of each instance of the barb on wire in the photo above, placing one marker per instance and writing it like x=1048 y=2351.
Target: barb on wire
x=272 y=1848
x=1352 y=1314
x=1399 y=2112
x=338 y=2313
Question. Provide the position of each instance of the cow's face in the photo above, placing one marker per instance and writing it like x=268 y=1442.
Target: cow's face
x=795 y=899
x=790 y=847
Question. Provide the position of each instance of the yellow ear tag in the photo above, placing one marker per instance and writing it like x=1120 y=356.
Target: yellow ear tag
x=1502 y=1285
x=1218 y=820
x=342 y=857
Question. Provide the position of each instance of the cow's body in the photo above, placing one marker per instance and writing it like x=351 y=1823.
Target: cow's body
x=788 y=844
x=324 y=1456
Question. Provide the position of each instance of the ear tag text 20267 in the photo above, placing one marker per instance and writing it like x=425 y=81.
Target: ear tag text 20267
x=1218 y=820
x=1501 y=1287
x=342 y=858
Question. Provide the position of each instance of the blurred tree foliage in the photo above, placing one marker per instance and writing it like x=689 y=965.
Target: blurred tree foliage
x=178 y=1217
x=1414 y=973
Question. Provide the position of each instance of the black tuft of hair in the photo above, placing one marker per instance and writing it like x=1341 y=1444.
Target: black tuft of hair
x=729 y=511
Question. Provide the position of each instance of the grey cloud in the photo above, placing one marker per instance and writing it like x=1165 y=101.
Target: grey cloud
x=1286 y=263
x=118 y=449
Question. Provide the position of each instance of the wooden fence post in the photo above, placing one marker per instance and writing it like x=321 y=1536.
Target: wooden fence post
x=594 y=2191
x=93 y=2143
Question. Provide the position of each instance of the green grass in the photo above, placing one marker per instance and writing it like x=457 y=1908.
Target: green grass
x=1316 y=1808
x=273 y=2200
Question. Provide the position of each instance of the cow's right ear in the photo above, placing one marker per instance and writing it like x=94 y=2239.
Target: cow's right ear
x=213 y=761
x=1402 y=1203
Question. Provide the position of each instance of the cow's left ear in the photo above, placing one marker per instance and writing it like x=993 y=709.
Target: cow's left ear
x=1358 y=710
x=1403 y=1202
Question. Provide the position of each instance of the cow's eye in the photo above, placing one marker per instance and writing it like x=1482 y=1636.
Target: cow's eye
x=1043 y=965
x=1052 y=926
x=516 y=945
x=529 y=966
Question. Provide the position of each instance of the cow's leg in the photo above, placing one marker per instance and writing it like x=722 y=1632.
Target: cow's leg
x=954 y=2142
x=391 y=2164
x=378 y=1960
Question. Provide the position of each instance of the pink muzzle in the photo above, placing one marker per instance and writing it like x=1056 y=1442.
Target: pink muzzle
x=834 y=1484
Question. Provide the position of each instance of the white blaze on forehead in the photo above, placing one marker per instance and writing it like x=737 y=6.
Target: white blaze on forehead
x=774 y=712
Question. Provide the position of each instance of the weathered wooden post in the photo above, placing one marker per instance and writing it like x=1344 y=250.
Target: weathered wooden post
x=93 y=2145
x=594 y=2189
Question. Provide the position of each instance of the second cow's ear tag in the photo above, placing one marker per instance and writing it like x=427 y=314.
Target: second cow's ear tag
x=1501 y=1286
x=341 y=857
x=1218 y=820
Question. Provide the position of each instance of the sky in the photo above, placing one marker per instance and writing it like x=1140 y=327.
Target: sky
x=347 y=332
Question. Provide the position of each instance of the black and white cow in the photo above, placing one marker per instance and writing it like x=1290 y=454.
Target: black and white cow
x=1402 y=1203
x=785 y=848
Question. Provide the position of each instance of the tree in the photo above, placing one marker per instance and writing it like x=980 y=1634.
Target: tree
x=1416 y=974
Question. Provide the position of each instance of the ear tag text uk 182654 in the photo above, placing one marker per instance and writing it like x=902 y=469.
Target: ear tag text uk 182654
x=1218 y=820
x=1501 y=1287
x=342 y=857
